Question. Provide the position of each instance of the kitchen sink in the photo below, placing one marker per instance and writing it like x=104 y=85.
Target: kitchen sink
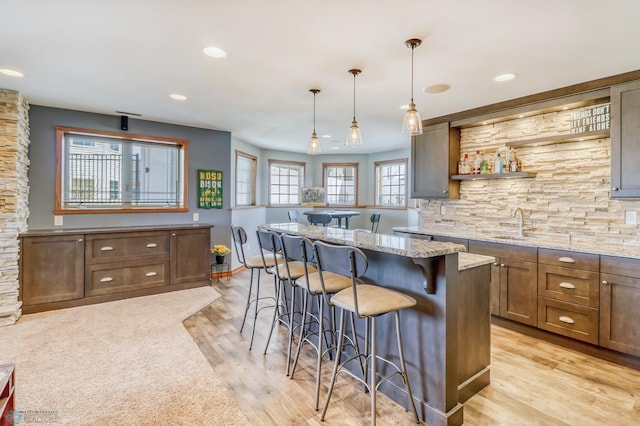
x=507 y=237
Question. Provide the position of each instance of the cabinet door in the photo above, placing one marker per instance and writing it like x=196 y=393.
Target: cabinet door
x=190 y=255
x=52 y=269
x=434 y=157
x=619 y=313
x=625 y=140
x=519 y=291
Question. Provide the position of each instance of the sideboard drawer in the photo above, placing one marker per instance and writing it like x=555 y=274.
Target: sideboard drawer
x=569 y=285
x=107 y=248
x=107 y=279
x=575 y=321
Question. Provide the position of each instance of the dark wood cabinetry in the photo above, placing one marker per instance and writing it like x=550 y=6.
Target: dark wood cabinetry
x=514 y=289
x=619 y=302
x=98 y=265
x=434 y=159
x=625 y=140
x=51 y=269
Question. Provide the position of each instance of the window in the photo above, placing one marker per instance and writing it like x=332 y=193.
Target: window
x=118 y=172
x=285 y=180
x=341 y=183
x=245 y=179
x=391 y=183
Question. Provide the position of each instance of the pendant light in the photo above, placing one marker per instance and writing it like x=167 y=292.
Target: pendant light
x=354 y=138
x=412 y=124
x=313 y=147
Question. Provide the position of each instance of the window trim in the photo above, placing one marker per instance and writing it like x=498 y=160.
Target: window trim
x=377 y=164
x=60 y=134
x=301 y=164
x=254 y=171
x=324 y=183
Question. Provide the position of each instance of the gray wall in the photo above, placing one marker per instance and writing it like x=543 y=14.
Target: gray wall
x=208 y=149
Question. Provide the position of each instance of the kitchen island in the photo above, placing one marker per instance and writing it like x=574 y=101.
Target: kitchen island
x=446 y=335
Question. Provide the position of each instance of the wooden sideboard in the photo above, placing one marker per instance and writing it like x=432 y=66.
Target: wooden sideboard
x=60 y=269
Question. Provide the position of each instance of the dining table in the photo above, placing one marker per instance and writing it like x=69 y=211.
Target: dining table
x=338 y=215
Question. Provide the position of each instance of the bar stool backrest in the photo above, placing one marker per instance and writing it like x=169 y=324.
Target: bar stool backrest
x=319 y=219
x=296 y=248
x=348 y=261
x=269 y=243
x=239 y=236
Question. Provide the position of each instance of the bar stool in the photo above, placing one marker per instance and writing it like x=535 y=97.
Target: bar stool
x=300 y=249
x=253 y=263
x=365 y=301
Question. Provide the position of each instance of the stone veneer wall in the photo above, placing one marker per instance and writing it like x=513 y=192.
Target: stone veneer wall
x=14 y=197
x=567 y=202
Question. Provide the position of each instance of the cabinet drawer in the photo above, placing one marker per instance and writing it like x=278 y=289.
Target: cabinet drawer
x=107 y=248
x=575 y=321
x=570 y=259
x=624 y=266
x=116 y=278
x=569 y=285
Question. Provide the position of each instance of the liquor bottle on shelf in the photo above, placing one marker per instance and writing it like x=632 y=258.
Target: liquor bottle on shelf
x=484 y=164
x=515 y=165
x=465 y=167
x=498 y=164
x=477 y=163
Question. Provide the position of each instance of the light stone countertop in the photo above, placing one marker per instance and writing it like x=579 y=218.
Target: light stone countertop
x=529 y=241
x=399 y=245
x=472 y=260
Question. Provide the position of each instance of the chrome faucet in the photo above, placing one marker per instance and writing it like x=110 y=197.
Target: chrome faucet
x=519 y=215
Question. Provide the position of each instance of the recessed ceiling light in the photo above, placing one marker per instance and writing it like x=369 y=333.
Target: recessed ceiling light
x=437 y=88
x=505 y=77
x=11 y=73
x=326 y=136
x=178 y=97
x=214 y=52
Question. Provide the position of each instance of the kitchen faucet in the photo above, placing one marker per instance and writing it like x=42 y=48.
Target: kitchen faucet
x=519 y=214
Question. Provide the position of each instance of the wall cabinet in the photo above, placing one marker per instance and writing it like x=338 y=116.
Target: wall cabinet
x=514 y=289
x=625 y=140
x=98 y=265
x=434 y=159
x=619 y=301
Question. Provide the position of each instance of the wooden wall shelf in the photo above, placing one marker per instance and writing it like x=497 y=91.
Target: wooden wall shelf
x=514 y=175
x=550 y=140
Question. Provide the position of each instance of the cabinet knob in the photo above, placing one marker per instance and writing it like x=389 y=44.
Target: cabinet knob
x=173 y=234
x=615 y=188
x=502 y=265
x=495 y=263
x=80 y=240
x=605 y=282
x=445 y=191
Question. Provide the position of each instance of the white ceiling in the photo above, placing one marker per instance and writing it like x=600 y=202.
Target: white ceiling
x=129 y=55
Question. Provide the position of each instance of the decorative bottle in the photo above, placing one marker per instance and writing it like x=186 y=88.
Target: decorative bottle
x=484 y=164
x=498 y=164
x=477 y=162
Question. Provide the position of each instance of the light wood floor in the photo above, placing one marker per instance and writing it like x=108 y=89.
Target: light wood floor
x=532 y=382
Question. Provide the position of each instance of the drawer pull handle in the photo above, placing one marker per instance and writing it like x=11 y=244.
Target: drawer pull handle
x=106 y=248
x=106 y=280
x=567 y=320
x=151 y=274
x=564 y=259
x=152 y=245
x=567 y=285
x=605 y=282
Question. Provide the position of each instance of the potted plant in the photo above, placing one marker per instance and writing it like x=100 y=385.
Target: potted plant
x=220 y=251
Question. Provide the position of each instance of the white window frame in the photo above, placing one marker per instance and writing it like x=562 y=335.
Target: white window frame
x=69 y=198
x=283 y=183
x=245 y=181
x=390 y=185
x=336 y=188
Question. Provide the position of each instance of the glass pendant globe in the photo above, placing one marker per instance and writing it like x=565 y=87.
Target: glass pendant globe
x=354 y=137
x=412 y=124
x=313 y=148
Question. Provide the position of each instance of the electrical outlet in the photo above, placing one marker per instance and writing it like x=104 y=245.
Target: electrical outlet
x=630 y=217
x=196 y=217
x=57 y=220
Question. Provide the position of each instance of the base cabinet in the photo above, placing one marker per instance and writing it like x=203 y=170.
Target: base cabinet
x=619 y=302
x=98 y=265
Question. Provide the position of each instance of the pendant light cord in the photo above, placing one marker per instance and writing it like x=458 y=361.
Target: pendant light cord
x=412 y=47
x=354 y=96
x=314 y=112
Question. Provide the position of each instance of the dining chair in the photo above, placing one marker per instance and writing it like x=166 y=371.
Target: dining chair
x=375 y=221
x=294 y=215
x=322 y=219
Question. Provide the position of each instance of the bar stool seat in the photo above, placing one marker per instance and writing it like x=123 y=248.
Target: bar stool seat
x=372 y=300
x=333 y=283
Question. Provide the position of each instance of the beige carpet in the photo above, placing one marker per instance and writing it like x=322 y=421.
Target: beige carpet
x=129 y=362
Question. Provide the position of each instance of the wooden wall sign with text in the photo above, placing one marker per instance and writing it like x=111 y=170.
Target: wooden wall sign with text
x=209 y=189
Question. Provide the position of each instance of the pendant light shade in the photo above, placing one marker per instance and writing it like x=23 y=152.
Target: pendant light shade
x=412 y=124
x=354 y=138
x=313 y=147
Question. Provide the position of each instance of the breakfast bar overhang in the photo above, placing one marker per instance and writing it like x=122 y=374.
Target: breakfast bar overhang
x=447 y=333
